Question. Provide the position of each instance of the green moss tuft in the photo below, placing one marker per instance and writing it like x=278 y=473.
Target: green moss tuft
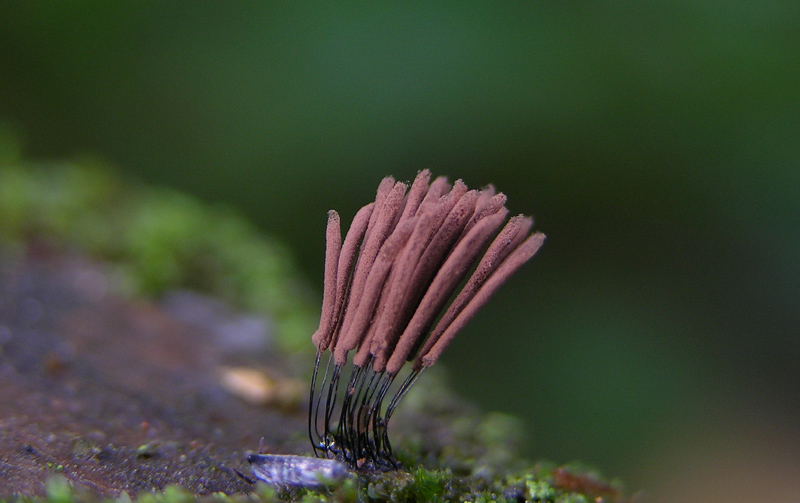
x=430 y=485
x=539 y=490
x=59 y=490
x=572 y=498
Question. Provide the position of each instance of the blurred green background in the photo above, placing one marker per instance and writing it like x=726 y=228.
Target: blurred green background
x=656 y=333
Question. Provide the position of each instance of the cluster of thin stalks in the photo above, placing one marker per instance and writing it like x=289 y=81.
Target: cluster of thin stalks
x=386 y=285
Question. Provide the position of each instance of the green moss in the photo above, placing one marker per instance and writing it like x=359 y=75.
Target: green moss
x=572 y=498
x=157 y=239
x=170 y=494
x=146 y=451
x=59 y=490
x=539 y=490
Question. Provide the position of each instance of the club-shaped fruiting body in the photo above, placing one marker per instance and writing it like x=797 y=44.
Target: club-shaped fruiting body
x=414 y=267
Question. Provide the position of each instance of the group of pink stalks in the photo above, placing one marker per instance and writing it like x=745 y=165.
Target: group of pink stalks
x=404 y=257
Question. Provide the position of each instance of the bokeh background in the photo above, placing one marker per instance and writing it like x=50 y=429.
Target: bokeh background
x=655 y=335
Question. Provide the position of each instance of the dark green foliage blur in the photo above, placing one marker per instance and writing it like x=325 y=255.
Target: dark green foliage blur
x=656 y=144
x=154 y=240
